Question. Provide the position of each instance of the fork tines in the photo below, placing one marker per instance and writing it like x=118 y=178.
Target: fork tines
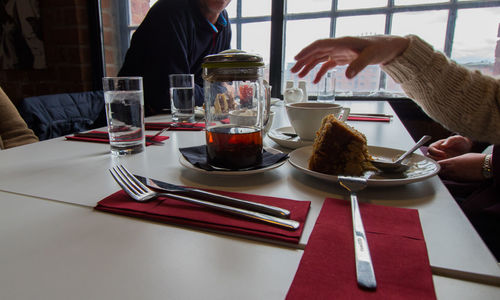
x=128 y=182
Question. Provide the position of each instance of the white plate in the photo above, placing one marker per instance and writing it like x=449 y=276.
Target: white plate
x=286 y=141
x=188 y=165
x=421 y=167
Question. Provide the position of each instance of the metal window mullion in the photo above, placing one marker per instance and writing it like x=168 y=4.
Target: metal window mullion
x=124 y=24
x=238 y=24
x=382 y=85
x=450 y=28
x=277 y=46
x=333 y=18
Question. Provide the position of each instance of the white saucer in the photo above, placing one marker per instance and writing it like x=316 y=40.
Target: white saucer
x=286 y=141
x=421 y=167
x=188 y=165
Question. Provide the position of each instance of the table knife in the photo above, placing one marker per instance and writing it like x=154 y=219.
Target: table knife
x=213 y=197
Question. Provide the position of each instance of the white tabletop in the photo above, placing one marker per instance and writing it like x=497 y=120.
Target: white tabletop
x=76 y=172
x=55 y=251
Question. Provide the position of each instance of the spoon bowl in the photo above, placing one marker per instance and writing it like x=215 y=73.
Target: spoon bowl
x=397 y=166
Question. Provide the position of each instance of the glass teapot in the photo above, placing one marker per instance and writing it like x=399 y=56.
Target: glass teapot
x=237 y=108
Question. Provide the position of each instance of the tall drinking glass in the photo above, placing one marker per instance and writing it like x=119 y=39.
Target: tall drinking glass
x=125 y=114
x=182 y=97
x=326 y=87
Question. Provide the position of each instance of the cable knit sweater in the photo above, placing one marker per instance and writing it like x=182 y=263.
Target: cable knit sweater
x=13 y=130
x=464 y=101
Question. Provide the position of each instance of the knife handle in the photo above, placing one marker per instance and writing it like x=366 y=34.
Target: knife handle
x=364 y=266
x=287 y=223
x=258 y=207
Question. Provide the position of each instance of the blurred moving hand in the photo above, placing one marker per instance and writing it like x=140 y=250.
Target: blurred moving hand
x=357 y=52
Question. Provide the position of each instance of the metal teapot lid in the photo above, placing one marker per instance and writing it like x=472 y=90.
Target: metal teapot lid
x=232 y=58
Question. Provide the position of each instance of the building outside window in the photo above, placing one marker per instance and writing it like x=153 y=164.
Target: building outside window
x=467 y=31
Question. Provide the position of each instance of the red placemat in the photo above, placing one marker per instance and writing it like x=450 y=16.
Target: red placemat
x=163 y=209
x=327 y=269
x=175 y=126
x=103 y=137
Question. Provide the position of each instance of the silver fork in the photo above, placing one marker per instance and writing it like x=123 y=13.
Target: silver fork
x=141 y=193
x=364 y=266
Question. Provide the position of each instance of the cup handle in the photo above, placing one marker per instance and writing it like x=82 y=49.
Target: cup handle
x=345 y=113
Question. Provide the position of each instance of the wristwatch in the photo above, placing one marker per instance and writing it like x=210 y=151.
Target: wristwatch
x=487 y=167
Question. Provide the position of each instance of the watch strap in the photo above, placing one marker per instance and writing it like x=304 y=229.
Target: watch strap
x=487 y=173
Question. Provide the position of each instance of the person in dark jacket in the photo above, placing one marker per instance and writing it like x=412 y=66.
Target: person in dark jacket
x=173 y=38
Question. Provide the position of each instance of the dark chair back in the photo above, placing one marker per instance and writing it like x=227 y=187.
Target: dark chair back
x=51 y=116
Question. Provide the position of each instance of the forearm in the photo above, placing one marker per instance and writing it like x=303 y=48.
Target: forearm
x=463 y=101
x=13 y=130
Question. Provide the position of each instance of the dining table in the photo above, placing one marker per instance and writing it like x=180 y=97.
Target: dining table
x=55 y=244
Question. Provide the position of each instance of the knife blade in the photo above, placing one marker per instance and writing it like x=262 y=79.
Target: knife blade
x=213 y=197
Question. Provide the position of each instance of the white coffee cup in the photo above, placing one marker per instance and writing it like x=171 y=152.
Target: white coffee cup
x=306 y=117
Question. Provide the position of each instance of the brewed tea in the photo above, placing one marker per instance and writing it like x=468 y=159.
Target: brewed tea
x=234 y=147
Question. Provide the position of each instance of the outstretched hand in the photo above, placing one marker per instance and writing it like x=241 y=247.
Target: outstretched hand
x=357 y=52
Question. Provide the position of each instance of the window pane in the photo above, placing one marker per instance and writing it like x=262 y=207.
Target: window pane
x=252 y=8
x=475 y=40
x=411 y=2
x=231 y=8
x=353 y=4
x=234 y=36
x=299 y=34
x=368 y=79
x=301 y=6
x=431 y=26
x=256 y=38
x=365 y=83
x=360 y=25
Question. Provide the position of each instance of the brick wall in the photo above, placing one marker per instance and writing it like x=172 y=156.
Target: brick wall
x=67 y=49
x=111 y=38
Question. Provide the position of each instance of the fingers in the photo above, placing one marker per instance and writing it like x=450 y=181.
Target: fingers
x=308 y=67
x=436 y=154
x=365 y=58
x=330 y=64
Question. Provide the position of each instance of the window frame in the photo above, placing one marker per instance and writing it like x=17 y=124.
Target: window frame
x=279 y=18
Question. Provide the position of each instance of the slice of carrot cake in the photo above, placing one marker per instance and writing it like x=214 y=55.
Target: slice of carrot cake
x=339 y=149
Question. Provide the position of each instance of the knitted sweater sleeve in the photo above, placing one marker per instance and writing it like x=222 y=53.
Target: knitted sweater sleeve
x=13 y=130
x=463 y=101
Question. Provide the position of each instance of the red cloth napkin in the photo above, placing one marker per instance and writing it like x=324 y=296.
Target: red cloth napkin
x=90 y=138
x=163 y=209
x=327 y=269
x=180 y=126
x=372 y=119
